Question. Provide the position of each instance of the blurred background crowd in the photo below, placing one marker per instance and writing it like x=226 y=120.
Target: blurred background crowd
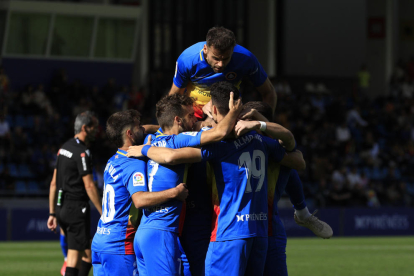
x=358 y=150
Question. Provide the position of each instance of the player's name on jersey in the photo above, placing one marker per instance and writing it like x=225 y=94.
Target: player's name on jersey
x=246 y=139
x=103 y=231
x=161 y=144
x=111 y=170
x=252 y=217
x=158 y=209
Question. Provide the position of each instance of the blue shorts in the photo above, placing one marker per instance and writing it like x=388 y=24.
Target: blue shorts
x=159 y=251
x=111 y=264
x=236 y=257
x=276 y=252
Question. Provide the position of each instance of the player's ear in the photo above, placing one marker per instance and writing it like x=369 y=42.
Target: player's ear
x=177 y=120
x=205 y=49
x=214 y=109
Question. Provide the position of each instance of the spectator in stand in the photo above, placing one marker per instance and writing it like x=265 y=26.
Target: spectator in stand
x=339 y=177
x=353 y=177
x=5 y=137
x=339 y=196
x=41 y=100
x=364 y=78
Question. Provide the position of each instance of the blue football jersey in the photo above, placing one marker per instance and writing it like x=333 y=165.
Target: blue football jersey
x=193 y=72
x=239 y=189
x=162 y=177
x=123 y=177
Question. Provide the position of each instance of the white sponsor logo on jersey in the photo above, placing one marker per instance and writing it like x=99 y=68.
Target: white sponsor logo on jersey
x=253 y=217
x=138 y=179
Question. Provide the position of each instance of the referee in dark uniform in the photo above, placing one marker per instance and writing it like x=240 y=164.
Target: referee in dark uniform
x=70 y=190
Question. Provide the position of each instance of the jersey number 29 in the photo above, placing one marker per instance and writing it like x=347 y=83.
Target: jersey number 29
x=253 y=169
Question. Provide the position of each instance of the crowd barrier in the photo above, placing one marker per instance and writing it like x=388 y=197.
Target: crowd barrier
x=30 y=224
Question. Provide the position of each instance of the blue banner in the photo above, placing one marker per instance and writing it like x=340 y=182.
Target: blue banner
x=32 y=225
x=4 y=224
x=378 y=222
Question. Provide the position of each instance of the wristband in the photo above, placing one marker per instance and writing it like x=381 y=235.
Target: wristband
x=145 y=150
x=52 y=214
x=262 y=126
x=296 y=146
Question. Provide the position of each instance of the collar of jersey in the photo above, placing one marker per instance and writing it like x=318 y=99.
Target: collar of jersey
x=201 y=55
x=159 y=133
x=122 y=152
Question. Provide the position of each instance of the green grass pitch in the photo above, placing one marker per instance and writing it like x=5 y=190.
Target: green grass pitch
x=305 y=257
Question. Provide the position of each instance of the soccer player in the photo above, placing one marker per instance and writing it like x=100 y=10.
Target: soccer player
x=294 y=188
x=239 y=238
x=70 y=190
x=156 y=243
x=279 y=178
x=218 y=58
x=125 y=183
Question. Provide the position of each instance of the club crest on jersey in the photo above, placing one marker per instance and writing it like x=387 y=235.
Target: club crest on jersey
x=231 y=75
x=138 y=179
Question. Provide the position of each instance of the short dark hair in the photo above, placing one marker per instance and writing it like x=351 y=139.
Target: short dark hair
x=84 y=118
x=220 y=95
x=117 y=124
x=221 y=38
x=261 y=107
x=169 y=107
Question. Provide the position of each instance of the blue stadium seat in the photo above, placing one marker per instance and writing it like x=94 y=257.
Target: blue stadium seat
x=24 y=171
x=33 y=187
x=13 y=169
x=1 y=167
x=20 y=187
x=29 y=122
x=20 y=121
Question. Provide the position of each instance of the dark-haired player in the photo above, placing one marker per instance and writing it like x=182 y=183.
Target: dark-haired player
x=280 y=178
x=218 y=58
x=156 y=243
x=125 y=190
x=240 y=222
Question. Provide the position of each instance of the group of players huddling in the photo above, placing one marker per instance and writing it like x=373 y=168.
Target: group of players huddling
x=199 y=197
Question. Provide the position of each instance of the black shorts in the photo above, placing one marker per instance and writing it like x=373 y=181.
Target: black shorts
x=74 y=217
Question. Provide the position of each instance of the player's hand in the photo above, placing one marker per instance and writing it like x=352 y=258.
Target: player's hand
x=253 y=114
x=135 y=151
x=244 y=126
x=207 y=109
x=235 y=106
x=52 y=223
x=182 y=192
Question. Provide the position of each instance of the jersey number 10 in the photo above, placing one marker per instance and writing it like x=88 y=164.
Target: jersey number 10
x=108 y=204
x=250 y=165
